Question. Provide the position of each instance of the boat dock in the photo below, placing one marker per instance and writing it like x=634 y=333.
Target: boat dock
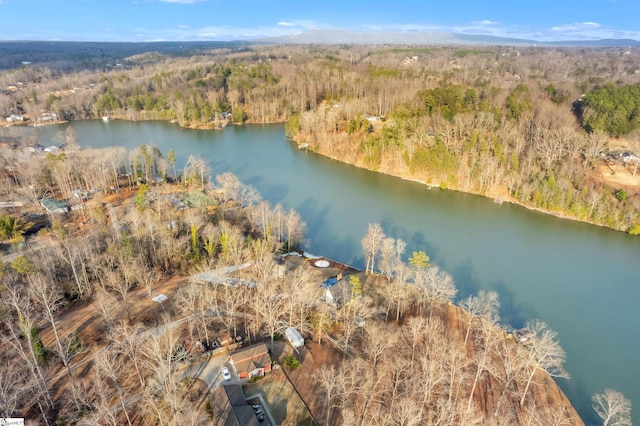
x=324 y=262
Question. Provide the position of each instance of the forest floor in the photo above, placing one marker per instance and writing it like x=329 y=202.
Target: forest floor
x=312 y=357
x=618 y=175
x=282 y=400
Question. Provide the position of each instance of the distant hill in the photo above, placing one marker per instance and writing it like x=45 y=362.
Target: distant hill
x=93 y=55
x=67 y=55
x=339 y=36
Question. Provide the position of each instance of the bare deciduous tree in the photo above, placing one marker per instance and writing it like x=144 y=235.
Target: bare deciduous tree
x=271 y=307
x=113 y=371
x=13 y=384
x=613 y=408
x=232 y=189
x=326 y=379
x=371 y=244
x=545 y=353
x=125 y=338
x=484 y=306
x=434 y=285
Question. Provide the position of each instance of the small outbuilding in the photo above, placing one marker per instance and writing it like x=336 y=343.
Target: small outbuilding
x=159 y=298
x=294 y=337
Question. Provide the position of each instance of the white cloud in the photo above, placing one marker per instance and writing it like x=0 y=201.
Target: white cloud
x=232 y=33
x=183 y=27
x=578 y=26
x=402 y=28
x=485 y=22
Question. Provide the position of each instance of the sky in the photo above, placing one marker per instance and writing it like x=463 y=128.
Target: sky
x=185 y=20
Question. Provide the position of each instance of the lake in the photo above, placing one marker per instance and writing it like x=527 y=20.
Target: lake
x=582 y=280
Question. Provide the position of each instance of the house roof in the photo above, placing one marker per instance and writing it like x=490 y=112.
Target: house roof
x=245 y=416
x=339 y=293
x=251 y=358
x=230 y=407
x=234 y=394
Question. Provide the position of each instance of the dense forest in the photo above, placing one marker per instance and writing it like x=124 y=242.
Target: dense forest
x=544 y=127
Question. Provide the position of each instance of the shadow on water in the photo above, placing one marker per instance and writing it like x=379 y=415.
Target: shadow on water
x=415 y=240
x=315 y=218
x=513 y=313
x=466 y=283
x=277 y=193
x=344 y=249
x=577 y=393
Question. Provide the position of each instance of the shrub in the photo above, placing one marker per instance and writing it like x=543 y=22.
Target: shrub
x=621 y=195
x=291 y=362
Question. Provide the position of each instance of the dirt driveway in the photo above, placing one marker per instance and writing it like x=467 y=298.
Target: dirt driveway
x=208 y=368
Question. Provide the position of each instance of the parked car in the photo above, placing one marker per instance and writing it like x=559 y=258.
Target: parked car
x=226 y=374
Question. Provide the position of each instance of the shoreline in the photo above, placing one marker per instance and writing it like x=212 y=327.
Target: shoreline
x=502 y=199
x=505 y=199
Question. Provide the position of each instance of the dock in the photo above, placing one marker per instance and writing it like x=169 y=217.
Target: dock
x=323 y=262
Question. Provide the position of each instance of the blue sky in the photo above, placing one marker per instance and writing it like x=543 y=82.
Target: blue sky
x=182 y=20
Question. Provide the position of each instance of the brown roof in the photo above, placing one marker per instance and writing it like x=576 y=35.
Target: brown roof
x=250 y=358
x=230 y=408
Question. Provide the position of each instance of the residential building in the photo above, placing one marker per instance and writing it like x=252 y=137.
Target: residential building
x=230 y=408
x=13 y=118
x=252 y=361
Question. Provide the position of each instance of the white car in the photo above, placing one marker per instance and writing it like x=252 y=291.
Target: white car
x=226 y=374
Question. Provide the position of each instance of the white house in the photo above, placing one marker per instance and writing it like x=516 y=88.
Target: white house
x=13 y=118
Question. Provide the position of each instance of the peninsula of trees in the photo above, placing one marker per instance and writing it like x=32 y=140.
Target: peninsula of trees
x=87 y=340
x=554 y=129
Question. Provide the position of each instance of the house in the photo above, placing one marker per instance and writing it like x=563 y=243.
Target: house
x=338 y=292
x=81 y=195
x=48 y=117
x=252 y=361
x=14 y=118
x=230 y=408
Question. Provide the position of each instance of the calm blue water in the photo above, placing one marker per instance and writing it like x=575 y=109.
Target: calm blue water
x=582 y=280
